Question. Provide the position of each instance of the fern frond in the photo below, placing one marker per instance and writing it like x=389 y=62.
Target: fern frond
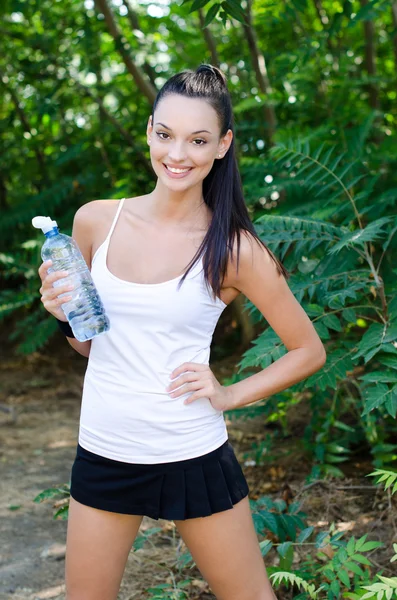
x=322 y=174
x=276 y=230
x=286 y=577
x=372 y=232
x=379 y=395
x=385 y=589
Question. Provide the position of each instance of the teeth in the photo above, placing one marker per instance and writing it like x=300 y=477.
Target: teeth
x=178 y=170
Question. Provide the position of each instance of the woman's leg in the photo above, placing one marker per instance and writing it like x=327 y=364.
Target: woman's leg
x=225 y=548
x=97 y=548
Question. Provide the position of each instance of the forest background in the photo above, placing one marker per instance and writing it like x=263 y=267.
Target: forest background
x=314 y=87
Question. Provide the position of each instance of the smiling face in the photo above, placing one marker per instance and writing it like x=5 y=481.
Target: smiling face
x=184 y=139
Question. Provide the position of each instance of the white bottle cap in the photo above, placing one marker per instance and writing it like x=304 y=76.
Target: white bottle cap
x=44 y=223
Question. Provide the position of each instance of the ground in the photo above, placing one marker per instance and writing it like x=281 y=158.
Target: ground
x=38 y=441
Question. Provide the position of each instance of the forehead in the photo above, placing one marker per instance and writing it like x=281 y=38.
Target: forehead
x=182 y=113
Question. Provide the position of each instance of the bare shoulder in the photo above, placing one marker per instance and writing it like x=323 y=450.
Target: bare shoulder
x=95 y=211
x=253 y=260
x=90 y=223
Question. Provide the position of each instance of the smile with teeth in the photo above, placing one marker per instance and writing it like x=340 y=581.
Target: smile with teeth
x=178 y=170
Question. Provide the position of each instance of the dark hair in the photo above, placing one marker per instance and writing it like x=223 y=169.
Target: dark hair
x=222 y=188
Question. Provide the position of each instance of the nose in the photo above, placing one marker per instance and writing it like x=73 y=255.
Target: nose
x=177 y=152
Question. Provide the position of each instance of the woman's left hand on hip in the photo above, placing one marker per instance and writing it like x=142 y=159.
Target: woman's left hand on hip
x=199 y=379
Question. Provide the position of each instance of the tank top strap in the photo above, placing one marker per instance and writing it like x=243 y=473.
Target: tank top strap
x=120 y=206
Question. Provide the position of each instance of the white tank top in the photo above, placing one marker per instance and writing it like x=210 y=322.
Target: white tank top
x=126 y=413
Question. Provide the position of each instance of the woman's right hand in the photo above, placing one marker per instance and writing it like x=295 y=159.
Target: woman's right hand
x=49 y=294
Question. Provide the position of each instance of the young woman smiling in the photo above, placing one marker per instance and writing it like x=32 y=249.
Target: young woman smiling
x=153 y=439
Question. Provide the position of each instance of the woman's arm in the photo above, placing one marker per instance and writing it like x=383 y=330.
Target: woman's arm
x=82 y=233
x=260 y=282
x=82 y=348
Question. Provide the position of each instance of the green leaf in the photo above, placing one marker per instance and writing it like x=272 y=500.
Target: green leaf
x=265 y=546
x=344 y=577
x=351 y=566
x=350 y=548
x=376 y=395
x=269 y=521
x=51 y=493
x=305 y=534
x=62 y=513
x=335 y=588
x=370 y=546
x=282 y=549
x=211 y=14
x=332 y=322
x=197 y=4
x=361 y=559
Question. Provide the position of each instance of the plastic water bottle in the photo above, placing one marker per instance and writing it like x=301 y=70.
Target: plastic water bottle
x=85 y=311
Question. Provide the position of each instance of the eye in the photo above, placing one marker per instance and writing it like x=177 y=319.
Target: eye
x=161 y=133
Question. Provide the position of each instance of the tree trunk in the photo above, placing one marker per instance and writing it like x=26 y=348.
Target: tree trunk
x=145 y=86
x=259 y=64
x=209 y=39
x=244 y=320
x=369 y=59
x=394 y=17
x=134 y=20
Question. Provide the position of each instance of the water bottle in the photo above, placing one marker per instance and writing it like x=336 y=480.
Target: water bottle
x=85 y=311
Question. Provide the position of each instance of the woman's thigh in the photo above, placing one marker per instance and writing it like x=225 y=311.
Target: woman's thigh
x=97 y=548
x=225 y=548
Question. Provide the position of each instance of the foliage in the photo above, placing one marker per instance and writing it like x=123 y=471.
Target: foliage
x=315 y=123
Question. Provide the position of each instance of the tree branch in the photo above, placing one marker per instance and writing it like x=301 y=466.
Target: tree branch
x=145 y=86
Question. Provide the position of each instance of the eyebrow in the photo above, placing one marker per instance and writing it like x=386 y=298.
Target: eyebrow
x=193 y=133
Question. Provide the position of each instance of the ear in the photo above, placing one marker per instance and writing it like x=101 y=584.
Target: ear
x=225 y=143
x=149 y=128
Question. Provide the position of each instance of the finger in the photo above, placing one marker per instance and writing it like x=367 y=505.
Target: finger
x=43 y=269
x=188 y=387
x=198 y=395
x=188 y=367
x=49 y=280
x=52 y=292
x=51 y=305
x=181 y=380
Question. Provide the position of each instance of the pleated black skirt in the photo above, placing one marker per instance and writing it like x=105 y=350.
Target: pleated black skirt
x=185 y=489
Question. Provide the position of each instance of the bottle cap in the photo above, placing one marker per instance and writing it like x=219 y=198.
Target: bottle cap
x=44 y=223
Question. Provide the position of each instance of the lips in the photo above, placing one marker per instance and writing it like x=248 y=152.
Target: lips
x=177 y=175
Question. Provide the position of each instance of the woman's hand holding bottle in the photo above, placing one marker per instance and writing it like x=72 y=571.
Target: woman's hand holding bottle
x=49 y=294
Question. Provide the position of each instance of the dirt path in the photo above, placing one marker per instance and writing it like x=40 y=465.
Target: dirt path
x=37 y=451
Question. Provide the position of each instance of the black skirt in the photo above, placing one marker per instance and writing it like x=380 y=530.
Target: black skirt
x=185 y=489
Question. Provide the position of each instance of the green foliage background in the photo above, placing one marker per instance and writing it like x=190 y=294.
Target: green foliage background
x=314 y=90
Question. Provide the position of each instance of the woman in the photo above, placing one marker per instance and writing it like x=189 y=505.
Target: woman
x=153 y=439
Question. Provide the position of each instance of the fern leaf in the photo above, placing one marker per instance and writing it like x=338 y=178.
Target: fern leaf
x=371 y=342
x=377 y=395
x=287 y=577
x=372 y=232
